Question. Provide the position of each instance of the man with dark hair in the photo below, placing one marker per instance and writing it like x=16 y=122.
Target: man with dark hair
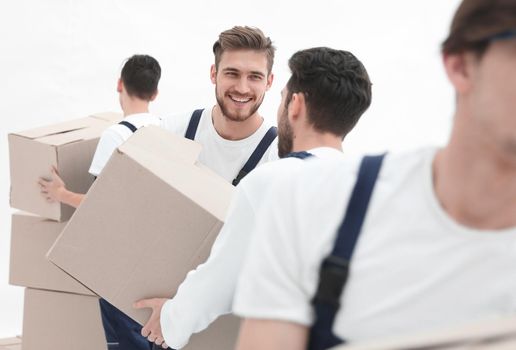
x=437 y=247
x=323 y=79
x=137 y=87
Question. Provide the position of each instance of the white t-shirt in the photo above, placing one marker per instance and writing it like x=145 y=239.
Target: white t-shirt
x=414 y=268
x=225 y=157
x=207 y=291
x=115 y=135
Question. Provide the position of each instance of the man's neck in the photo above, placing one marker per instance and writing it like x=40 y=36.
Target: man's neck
x=232 y=130
x=135 y=107
x=311 y=139
x=475 y=183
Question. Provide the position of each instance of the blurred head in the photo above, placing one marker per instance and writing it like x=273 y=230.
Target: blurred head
x=242 y=71
x=480 y=61
x=476 y=22
x=336 y=91
x=140 y=77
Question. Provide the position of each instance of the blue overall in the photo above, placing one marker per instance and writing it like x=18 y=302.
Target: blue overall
x=334 y=269
x=122 y=332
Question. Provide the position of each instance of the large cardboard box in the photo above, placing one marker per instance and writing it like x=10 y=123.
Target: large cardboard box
x=68 y=146
x=61 y=321
x=488 y=334
x=150 y=217
x=31 y=238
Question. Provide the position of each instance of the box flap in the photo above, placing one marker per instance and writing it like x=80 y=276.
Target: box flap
x=55 y=129
x=160 y=146
x=72 y=130
x=91 y=132
x=108 y=116
x=10 y=341
x=172 y=159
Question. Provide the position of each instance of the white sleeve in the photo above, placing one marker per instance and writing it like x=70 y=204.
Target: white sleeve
x=207 y=292
x=109 y=141
x=270 y=284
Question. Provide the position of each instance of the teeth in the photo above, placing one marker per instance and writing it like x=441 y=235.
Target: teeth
x=241 y=100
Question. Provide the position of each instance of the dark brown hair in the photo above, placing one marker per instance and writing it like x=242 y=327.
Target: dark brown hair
x=336 y=87
x=141 y=74
x=244 y=38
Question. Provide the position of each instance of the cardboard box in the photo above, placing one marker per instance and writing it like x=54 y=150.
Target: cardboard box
x=61 y=321
x=10 y=343
x=220 y=335
x=150 y=217
x=31 y=238
x=68 y=146
x=489 y=334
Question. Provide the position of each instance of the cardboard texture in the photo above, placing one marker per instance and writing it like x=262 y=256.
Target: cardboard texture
x=68 y=146
x=221 y=335
x=10 y=341
x=61 y=321
x=31 y=238
x=150 y=217
x=489 y=334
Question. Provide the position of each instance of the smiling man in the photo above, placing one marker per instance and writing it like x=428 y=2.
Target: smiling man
x=232 y=129
x=234 y=137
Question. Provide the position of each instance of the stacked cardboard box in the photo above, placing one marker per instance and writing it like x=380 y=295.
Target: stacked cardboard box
x=150 y=217
x=13 y=343
x=59 y=312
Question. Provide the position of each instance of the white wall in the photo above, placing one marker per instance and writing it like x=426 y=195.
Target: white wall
x=60 y=59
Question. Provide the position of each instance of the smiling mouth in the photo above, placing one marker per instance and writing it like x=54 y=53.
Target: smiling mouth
x=240 y=99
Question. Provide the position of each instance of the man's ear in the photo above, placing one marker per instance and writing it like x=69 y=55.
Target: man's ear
x=297 y=107
x=459 y=70
x=213 y=74
x=270 y=79
x=119 y=85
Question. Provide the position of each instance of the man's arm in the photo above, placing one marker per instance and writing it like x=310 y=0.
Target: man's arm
x=207 y=292
x=55 y=191
x=258 y=334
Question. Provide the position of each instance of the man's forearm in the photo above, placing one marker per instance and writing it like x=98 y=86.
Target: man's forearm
x=71 y=198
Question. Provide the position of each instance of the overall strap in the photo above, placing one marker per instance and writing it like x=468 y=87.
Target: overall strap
x=128 y=125
x=300 y=155
x=334 y=269
x=258 y=153
x=194 y=123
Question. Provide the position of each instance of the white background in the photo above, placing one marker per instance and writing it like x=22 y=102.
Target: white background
x=60 y=59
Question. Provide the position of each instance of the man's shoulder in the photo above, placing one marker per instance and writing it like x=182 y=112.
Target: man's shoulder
x=275 y=169
x=178 y=122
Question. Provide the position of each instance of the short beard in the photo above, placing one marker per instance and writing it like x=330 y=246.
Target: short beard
x=285 y=136
x=236 y=117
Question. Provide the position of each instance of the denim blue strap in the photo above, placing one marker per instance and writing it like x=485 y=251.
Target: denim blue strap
x=335 y=268
x=193 y=124
x=258 y=153
x=128 y=125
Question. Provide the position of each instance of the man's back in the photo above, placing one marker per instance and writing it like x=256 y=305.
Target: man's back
x=414 y=268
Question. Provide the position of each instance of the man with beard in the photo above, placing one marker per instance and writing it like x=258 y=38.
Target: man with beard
x=323 y=100
x=234 y=136
x=233 y=129
x=430 y=244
